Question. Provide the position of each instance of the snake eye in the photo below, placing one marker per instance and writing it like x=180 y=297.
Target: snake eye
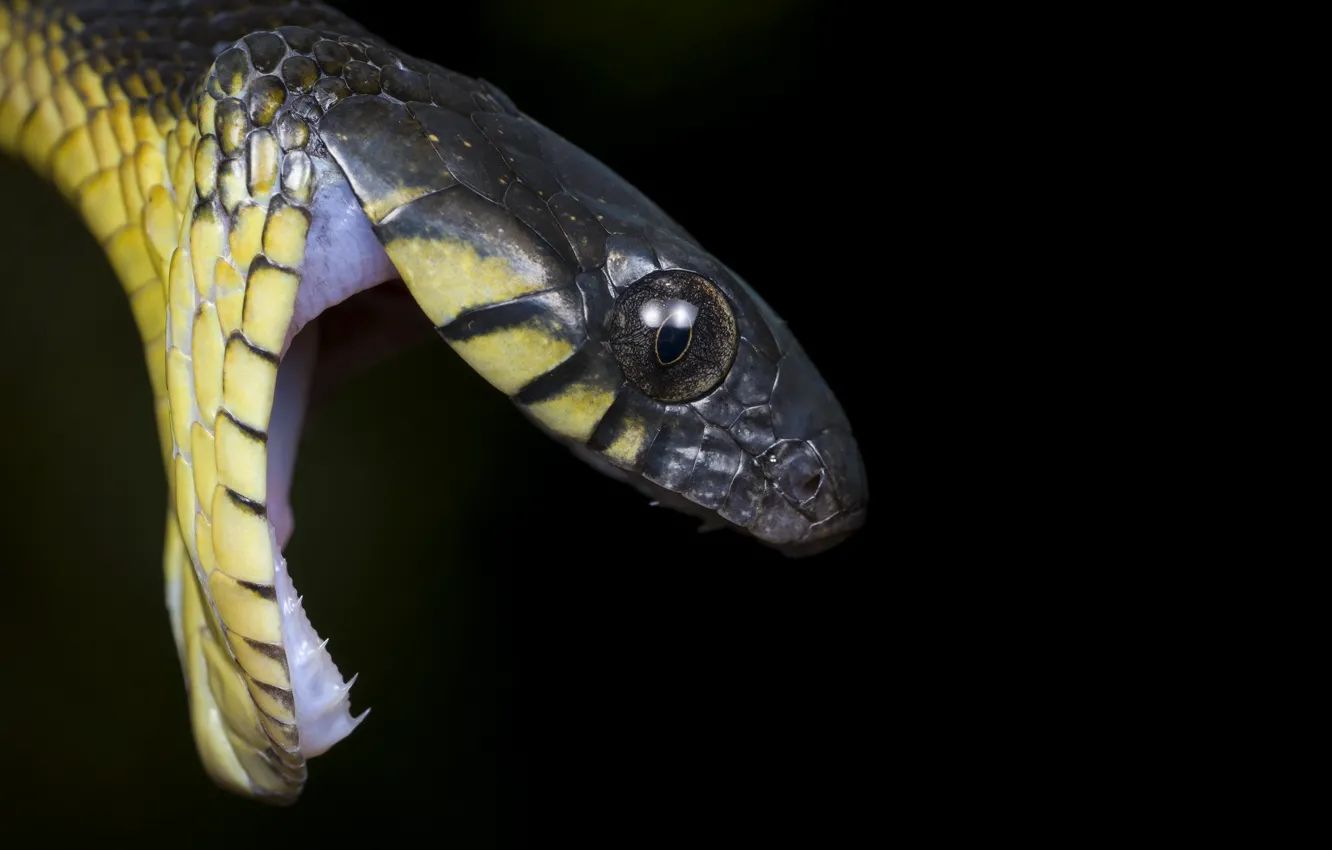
x=674 y=335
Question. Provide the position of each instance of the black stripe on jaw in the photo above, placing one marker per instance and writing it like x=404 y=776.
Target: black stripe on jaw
x=263 y=591
x=268 y=650
x=258 y=352
x=247 y=505
x=557 y=312
x=252 y=433
x=630 y=410
x=282 y=695
x=290 y=736
x=590 y=366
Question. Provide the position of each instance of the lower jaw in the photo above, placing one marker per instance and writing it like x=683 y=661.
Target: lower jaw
x=351 y=312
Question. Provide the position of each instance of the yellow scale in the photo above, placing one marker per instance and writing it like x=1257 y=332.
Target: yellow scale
x=136 y=174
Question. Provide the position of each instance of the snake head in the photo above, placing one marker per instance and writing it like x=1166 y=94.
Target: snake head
x=721 y=415
x=603 y=319
x=609 y=325
x=614 y=330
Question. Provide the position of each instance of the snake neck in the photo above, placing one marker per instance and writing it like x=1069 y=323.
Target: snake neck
x=186 y=140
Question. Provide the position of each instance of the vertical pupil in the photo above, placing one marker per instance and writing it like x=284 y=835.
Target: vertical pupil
x=672 y=342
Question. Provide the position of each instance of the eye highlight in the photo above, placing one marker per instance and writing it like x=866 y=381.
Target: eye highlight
x=674 y=334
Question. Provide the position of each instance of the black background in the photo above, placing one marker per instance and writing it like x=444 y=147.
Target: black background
x=547 y=656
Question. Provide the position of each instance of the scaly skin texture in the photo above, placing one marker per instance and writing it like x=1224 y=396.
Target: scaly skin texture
x=196 y=138
x=204 y=217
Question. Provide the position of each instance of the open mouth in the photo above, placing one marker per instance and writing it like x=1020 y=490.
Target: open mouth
x=346 y=338
x=351 y=313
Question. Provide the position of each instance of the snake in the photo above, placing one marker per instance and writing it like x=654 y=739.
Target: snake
x=275 y=188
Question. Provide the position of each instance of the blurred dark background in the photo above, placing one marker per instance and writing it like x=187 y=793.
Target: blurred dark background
x=546 y=655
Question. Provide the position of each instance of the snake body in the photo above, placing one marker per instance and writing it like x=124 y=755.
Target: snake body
x=230 y=156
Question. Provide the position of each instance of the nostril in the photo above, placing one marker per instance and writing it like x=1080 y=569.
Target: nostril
x=807 y=487
x=795 y=468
